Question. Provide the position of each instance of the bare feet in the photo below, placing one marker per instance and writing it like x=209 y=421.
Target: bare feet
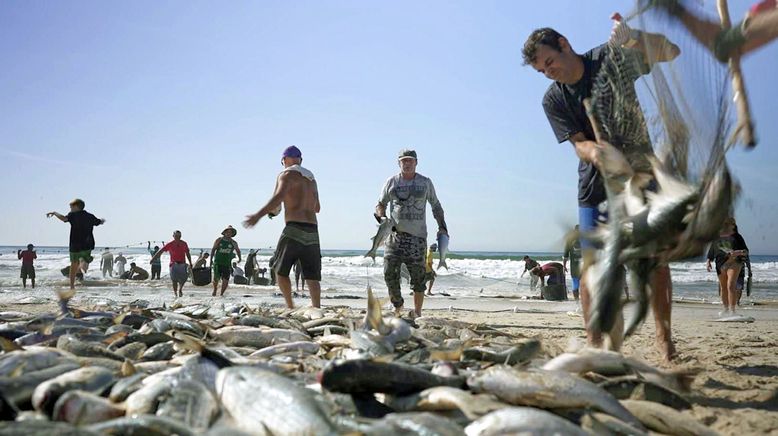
x=666 y=349
x=214 y=293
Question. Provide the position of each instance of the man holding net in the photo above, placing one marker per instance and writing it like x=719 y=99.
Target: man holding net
x=574 y=76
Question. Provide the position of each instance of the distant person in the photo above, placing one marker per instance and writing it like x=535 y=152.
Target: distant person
x=552 y=273
x=408 y=193
x=82 y=240
x=298 y=274
x=28 y=269
x=529 y=265
x=120 y=261
x=238 y=275
x=573 y=254
x=106 y=263
x=271 y=264
x=429 y=273
x=156 y=263
x=224 y=249
x=251 y=266
x=137 y=273
x=296 y=190
x=741 y=279
x=179 y=256
x=201 y=262
x=729 y=253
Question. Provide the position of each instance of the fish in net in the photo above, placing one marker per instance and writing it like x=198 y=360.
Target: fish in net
x=665 y=127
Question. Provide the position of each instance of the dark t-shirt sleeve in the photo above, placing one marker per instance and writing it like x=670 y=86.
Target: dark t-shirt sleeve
x=562 y=123
x=711 y=251
x=94 y=220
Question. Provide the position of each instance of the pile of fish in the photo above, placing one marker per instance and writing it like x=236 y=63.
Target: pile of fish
x=268 y=371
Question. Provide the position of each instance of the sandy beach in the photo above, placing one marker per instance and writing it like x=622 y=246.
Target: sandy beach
x=735 y=392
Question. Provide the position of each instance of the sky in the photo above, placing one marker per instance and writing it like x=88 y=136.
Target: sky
x=173 y=115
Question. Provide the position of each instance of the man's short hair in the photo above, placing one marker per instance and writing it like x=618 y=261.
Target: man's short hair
x=543 y=36
x=79 y=203
x=526 y=257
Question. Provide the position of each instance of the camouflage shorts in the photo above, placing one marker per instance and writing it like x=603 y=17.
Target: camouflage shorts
x=403 y=248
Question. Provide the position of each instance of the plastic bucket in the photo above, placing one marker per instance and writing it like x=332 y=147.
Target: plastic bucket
x=201 y=276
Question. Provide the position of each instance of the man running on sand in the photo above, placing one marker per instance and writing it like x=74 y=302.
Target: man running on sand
x=179 y=255
x=224 y=249
x=408 y=193
x=573 y=75
x=82 y=240
x=296 y=189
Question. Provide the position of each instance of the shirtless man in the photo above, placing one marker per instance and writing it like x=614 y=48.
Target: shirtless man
x=296 y=189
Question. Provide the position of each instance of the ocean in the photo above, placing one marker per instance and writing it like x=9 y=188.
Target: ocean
x=347 y=272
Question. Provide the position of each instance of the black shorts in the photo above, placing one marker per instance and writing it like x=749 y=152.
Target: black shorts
x=289 y=251
x=28 y=272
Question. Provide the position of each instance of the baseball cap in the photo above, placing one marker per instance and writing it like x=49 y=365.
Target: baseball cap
x=292 y=151
x=406 y=153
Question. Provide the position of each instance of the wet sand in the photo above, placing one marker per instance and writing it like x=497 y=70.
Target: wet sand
x=735 y=393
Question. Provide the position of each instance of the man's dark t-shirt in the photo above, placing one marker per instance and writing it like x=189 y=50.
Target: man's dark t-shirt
x=81 y=225
x=565 y=111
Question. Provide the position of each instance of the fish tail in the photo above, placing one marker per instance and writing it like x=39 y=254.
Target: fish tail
x=8 y=345
x=443 y=264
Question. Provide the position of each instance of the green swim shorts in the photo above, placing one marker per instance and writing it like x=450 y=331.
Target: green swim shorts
x=76 y=256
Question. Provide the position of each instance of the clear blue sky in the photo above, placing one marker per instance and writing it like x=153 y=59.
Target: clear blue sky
x=173 y=115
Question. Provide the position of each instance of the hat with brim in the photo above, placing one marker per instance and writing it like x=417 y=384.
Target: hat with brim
x=406 y=154
x=229 y=230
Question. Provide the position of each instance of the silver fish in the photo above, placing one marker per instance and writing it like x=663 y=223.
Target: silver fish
x=161 y=351
x=442 y=398
x=259 y=399
x=547 y=389
x=384 y=230
x=663 y=419
x=31 y=359
x=18 y=390
x=79 y=407
x=86 y=349
x=241 y=336
x=522 y=420
x=91 y=379
x=301 y=347
x=190 y=403
x=414 y=423
x=443 y=239
x=611 y=363
x=42 y=428
x=147 y=425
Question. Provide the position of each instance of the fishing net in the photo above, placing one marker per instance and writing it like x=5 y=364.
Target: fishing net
x=679 y=110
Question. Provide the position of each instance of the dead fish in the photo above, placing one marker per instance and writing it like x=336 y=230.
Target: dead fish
x=86 y=349
x=42 y=428
x=443 y=398
x=240 y=336
x=190 y=403
x=638 y=388
x=516 y=354
x=604 y=424
x=161 y=351
x=126 y=386
x=385 y=228
x=302 y=347
x=547 y=389
x=18 y=389
x=663 y=419
x=90 y=379
x=259 y=399
x=522 y=420
x=132 y=351
x=146 y=425
x=414 y=423
x=31 y=359
x=79 y=407
x=612 y=363
x=365 y=376
x=146 y=399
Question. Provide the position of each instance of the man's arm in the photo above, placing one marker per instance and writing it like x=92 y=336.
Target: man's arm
x=61 y=217
x=437 y=209
x=189 y=257
x=317 y=209
x=380 y=208
x=654 y=47
x=213 y=249
x=272 y=205
x=237 y=249
x=586 y=149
